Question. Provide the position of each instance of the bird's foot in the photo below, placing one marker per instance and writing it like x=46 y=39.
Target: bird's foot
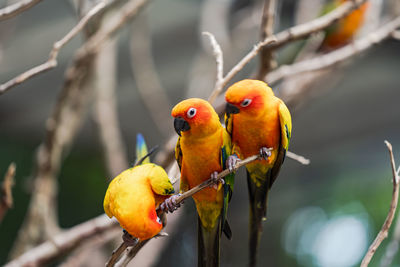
x=265 y=153
x=170 y=204
x=231 y=162
x=128 y=239
x=215 y=180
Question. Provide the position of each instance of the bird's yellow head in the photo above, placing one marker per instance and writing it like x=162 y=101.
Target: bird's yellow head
x=247 y=97
x=195 y=116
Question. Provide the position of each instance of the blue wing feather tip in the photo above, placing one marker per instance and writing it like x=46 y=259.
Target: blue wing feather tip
x=140 y=140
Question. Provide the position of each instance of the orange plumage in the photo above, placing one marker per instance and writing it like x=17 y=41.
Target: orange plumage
x=201 y=147
x=257 y=121
x=133 y=196
x=202 y=150
x=345 y=29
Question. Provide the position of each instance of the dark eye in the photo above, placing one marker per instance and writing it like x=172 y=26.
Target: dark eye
x=191 y=112
x=245 y=102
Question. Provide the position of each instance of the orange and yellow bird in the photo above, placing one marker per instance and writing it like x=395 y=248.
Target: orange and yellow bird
x=133 y=196
x=258 y=122
x=201 y=152
x=343 y=32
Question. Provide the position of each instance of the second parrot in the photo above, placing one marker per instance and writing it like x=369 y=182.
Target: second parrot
x=259 y=123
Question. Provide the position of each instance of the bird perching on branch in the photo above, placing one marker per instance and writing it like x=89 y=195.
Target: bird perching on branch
x=258 y=122
x=201 y=152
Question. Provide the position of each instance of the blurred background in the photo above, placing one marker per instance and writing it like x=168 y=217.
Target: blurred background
x=323 y=214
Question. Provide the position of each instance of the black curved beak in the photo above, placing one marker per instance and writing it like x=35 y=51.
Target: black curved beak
x=181 y=125
x=231 y=109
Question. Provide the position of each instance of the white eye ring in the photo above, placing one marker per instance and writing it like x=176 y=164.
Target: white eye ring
x=158 y=220
x=245 y=102
x=191 y=112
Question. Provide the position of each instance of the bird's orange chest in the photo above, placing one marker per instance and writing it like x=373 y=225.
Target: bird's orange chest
x=252 y=133
x=201 y=158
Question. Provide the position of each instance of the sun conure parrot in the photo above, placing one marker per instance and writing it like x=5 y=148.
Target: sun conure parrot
x=343 y=32
x=257 y=121
x=133 y=196
x=201 y=152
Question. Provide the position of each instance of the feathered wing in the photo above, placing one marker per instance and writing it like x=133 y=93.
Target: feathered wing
x=184 y=185
x=258 y=193
x=285 y=121
x=226 y=151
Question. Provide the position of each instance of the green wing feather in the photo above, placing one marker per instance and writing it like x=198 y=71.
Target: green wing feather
x=286 y=134
x=325 y=10
x=226 y=151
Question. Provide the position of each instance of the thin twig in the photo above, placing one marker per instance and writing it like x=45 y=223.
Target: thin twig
x=306 y=29
x=131 y=253
x=17 y=8
x=246 y=59
x=383 y=233
x=52 y=60
x=6 y=198
x=297 y=158
x=217 y=51
x=117 y=253
x=267 y=61
x=337 y=56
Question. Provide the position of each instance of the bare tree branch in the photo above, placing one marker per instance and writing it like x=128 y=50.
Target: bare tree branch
x=217 y=51
x=214 y=17
x=297 y=158
x=267 y=61
x=41 y=219
x=239 y=66
x=52 y=60
x=337 y=56
x=116 y=254
x=62 y=127
x=17 y=8
x=383 y=233
x=6 y=198
x=306 y=29
x=64 y=242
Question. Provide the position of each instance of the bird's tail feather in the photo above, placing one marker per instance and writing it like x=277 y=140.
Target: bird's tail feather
x=208 y=245
x=258 y=212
